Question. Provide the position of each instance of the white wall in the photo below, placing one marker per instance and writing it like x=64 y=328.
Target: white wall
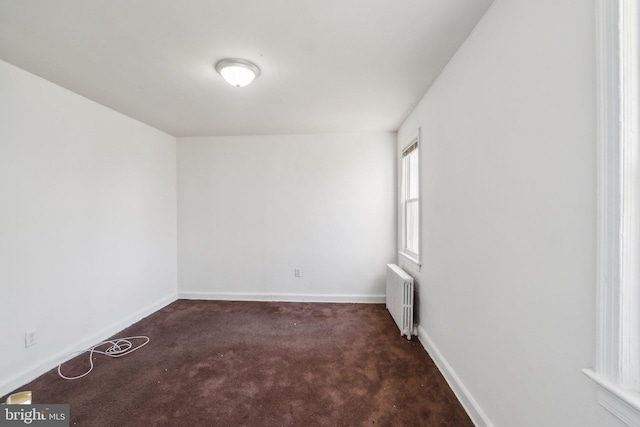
x=507 y=288
x=87 y=223
x=252 y=209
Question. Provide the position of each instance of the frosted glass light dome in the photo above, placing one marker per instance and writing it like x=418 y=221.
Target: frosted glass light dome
x=237 y=72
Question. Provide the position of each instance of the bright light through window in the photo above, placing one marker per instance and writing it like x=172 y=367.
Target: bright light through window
x=410 y=201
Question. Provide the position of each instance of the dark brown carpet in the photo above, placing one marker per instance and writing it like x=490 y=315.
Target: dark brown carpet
x=220 y=363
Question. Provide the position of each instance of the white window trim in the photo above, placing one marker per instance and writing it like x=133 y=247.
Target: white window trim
x=410 y=258
x=617 y=370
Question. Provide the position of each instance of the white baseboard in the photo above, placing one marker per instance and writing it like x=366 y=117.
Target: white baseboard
x=229 y=296
x=470 y=405
x=53 y=361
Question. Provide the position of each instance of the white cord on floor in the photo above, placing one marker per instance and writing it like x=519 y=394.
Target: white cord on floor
x=118 y=348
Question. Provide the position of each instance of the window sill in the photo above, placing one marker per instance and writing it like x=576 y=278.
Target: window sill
x=410 y=261
x=621 y=402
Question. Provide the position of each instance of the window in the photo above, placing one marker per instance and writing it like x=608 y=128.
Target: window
x=410 y=201
x=617 y=370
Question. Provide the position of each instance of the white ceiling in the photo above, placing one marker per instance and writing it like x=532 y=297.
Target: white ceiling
x=327 y=65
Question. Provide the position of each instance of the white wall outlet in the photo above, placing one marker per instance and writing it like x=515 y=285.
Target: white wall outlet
x=29 y=338
x=296 y=272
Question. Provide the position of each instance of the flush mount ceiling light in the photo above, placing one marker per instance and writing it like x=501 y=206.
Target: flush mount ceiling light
x=237 y=72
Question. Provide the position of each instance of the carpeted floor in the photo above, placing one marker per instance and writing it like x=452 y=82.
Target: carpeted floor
x=221 y=363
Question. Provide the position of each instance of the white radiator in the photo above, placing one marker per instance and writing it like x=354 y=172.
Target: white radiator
x=400 y=298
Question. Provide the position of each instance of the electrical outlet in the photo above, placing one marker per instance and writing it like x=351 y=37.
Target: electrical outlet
x=296 y=272
x=29 y=338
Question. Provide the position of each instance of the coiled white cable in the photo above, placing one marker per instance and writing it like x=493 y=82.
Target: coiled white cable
x=117 y=348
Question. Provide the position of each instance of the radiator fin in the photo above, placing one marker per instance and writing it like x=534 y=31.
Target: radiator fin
x=400 y=298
